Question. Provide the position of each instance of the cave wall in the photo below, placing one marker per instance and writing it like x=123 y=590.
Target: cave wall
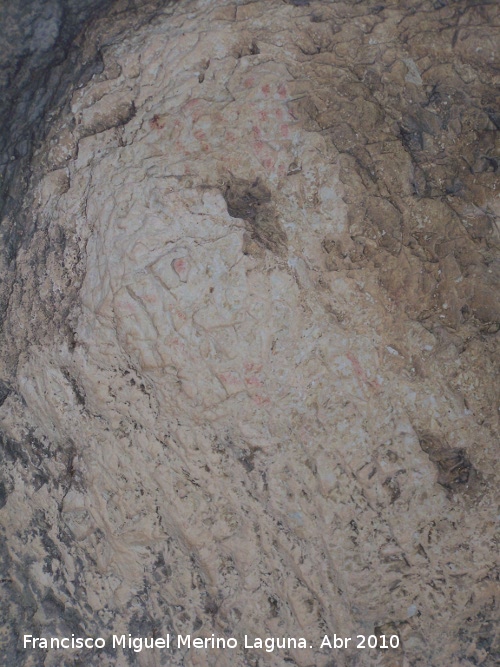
x=250 y=334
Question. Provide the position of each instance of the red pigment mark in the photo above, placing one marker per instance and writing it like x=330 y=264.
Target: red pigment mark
x=195 y=108
x=250 y=366
x=357 y=366
x=179 y=265
x=284 y=130
x=155 y=123
x=263 y=115
x=229 y=378
x=260 y=400
x=129 y=308
x=265 y=154
x=192 y=104
x=200 y=135
x=248 y=83
x=256 y=132
x=282 y=170
x=360 y=373
x=254 y=381
x=182 y=316
x=150 y=298
x=230 y=136
x=282 y=90
x=266 y=89
x=279 y=113
x=205 y=147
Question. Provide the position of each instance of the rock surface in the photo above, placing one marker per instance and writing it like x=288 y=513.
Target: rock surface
x=250 y=336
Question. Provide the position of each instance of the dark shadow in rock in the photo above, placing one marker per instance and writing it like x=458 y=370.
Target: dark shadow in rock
x=4 y=392
x=455 y=471
x=3 y=495
x=252 y=203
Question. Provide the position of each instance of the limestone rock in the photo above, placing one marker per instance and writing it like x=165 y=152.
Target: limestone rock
x=249 y=345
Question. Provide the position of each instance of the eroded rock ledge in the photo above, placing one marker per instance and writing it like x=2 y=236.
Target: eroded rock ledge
x=250 y=336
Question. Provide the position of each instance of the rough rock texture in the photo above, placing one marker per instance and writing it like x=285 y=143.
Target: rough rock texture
x=38 y=61
x=250 y=338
